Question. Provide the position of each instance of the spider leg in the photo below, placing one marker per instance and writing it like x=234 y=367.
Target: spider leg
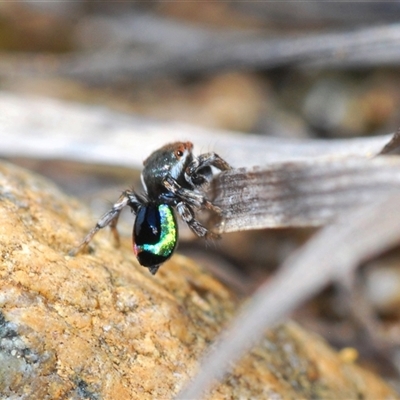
x=187 y=214
x=193 y=173
x=128 y=198
x=113 y=227
x=189 y=196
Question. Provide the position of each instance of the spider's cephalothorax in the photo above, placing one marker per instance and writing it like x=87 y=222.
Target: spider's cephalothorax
x=173 y=178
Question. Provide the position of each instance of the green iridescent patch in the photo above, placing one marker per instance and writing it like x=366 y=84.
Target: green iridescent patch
x=168 y=236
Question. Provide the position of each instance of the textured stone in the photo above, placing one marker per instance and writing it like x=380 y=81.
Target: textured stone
x=100 y=326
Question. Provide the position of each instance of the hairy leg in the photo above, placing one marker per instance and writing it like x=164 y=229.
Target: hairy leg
x=187 y=214
x=193 y=174
x=189 y=196
x=128 y=198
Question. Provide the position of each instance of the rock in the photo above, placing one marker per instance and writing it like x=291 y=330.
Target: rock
x=100 y=326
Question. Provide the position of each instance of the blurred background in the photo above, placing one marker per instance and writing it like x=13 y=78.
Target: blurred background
x=296 y=70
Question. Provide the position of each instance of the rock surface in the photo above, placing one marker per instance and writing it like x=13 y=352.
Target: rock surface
x=99 y=326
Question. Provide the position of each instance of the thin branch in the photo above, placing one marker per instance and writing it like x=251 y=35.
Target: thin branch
x=303 y=193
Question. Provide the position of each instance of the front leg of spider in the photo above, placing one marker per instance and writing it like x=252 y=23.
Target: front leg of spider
x=198 y=172
x=194 y=199
x=128 y=198
x=187 y=214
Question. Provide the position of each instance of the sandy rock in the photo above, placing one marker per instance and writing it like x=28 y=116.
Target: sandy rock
x=100 y=326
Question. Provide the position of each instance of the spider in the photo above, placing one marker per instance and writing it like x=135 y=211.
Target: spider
x=173 y=179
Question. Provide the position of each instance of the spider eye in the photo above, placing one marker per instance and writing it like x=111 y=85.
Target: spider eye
x=178 y=153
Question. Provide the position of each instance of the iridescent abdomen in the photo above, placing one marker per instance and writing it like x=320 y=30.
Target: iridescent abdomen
x=155 y=234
